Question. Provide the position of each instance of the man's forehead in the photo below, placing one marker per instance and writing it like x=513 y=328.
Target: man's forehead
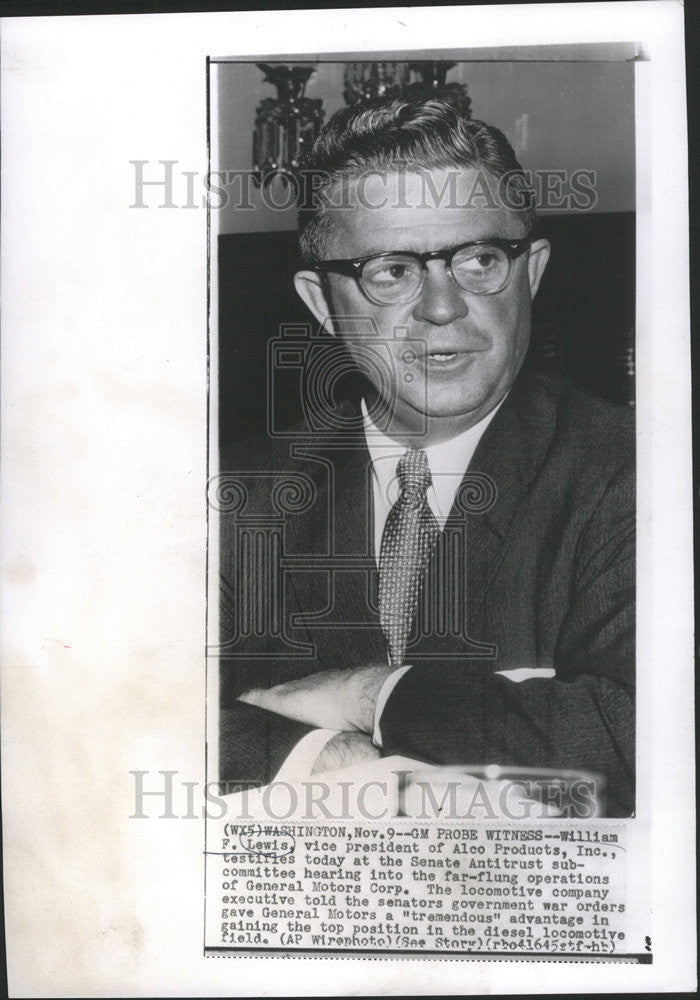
x=416 y=209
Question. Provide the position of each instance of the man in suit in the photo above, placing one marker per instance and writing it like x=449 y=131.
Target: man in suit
x=454 y=552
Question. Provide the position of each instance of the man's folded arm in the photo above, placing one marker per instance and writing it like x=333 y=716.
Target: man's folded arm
x=479 y=718
x=254 y=744
x=257 y=746
x=583 y=717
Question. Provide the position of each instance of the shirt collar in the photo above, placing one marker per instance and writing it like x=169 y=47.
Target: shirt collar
x=448 y=460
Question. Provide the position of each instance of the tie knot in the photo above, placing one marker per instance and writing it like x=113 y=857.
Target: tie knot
x=414 y=475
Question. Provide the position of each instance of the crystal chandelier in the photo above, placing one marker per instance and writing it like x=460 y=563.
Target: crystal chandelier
x=285 y=126
x=413 y=81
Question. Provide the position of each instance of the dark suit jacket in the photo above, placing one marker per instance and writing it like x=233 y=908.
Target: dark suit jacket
x=535 y=568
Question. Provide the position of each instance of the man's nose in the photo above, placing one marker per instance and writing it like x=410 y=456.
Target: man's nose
x=441 y=300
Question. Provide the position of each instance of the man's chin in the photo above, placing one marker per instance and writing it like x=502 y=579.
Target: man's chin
x=438 y=423
x=460 y=408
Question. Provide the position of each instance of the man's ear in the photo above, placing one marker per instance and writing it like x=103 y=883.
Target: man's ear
x=309 y=286
x=537 y=261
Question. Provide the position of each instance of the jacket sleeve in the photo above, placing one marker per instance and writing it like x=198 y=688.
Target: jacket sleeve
x=253 y=745
x=583 y=717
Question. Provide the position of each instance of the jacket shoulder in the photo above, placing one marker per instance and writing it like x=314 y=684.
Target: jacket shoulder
x=591 y=429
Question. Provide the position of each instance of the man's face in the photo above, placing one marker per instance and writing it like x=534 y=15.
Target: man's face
x=470 y=347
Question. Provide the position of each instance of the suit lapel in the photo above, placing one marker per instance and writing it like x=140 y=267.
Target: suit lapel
x=472 y=545
x=508 y=458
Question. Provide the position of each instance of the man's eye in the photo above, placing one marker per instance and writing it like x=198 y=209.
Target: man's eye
x=397 y=270
x=389 y=272
x=479 y=260
x=482 y=260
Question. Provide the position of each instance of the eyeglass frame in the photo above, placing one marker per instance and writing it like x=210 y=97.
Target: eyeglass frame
x=354 y=266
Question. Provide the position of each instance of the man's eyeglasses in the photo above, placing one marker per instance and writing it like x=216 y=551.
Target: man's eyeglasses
x=482 y=267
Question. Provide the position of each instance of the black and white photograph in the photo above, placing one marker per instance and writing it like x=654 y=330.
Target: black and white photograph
x=432 y=374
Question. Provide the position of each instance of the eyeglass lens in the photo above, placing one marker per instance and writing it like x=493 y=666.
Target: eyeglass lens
x=398 y=277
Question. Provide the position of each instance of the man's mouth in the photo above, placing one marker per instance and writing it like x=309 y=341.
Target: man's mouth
x=447 y=361
x=445 y=356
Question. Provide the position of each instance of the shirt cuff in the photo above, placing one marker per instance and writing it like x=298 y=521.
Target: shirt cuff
x=382 y=698
x=299 y=763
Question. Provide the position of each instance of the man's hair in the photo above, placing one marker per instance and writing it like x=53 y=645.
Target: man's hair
x=401 y=135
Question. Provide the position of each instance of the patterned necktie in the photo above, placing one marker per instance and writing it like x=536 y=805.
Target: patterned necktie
x=409 y=535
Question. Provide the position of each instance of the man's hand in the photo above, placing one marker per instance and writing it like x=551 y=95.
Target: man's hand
x=344 y=750
x=332 y=699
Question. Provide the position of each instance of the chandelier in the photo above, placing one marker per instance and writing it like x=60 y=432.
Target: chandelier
x=413 y=81
x=285 y=126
